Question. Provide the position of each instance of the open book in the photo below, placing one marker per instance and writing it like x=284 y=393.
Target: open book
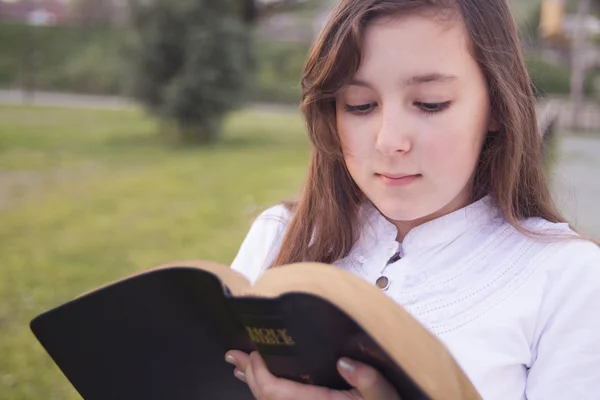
x=163 y=334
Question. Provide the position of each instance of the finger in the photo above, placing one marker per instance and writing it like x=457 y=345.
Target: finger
x=241 y=362
x=251 y=381
x=243 y=371
x=267 y=385
x=238 y=358
x=272 y=387
x=370 y=383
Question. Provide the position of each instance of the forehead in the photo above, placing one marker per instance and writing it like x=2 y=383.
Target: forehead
x=415 y=43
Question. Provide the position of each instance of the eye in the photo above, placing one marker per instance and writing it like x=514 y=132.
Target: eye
x=360 y=109
x=432 y=108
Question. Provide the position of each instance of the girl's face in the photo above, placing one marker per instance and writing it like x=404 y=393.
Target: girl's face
x=413 y=119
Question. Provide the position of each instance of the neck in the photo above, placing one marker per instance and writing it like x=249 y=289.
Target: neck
x=403 y=227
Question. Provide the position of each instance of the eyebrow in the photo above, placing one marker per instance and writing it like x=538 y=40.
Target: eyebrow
x=413 y=80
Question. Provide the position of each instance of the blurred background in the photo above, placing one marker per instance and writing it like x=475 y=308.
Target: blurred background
x=134 y=132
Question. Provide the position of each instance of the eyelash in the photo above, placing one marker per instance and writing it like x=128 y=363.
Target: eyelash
x=360 y=109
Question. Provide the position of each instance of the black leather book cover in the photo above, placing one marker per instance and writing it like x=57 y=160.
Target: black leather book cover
x=164 y=334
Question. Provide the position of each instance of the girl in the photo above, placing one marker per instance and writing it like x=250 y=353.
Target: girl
x=426 y=178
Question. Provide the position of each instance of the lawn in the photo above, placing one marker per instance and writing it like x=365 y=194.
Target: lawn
x=87 y=197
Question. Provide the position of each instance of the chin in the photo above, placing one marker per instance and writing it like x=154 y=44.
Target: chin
x=403 y=215
x=400 y=211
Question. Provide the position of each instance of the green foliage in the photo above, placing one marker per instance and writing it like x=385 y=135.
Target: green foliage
x=190 y=60
x=279 y=68
x=61 y=58
x=530 y=14
x=90 y=196
x=551 y=144
x=93 y=12
x=552 y=79
x=97 y=61
x=91 y=71
x=522 y=9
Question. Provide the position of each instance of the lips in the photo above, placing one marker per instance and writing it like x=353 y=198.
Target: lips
x=398 y=179
x=396 y=176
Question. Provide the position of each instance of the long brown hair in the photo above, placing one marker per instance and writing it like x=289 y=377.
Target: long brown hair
x=325 y=220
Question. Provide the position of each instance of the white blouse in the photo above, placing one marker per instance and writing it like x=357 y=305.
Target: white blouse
x=521 y=316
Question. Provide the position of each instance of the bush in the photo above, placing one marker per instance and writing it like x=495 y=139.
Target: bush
x=61 y=58
x=84 y=60
x=551 y=79
x=190 y=63
x=96 y=69
x=529 y=24
x=279 y=68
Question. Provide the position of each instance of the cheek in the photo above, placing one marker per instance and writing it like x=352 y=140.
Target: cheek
x=356 y=141
x=452 y=153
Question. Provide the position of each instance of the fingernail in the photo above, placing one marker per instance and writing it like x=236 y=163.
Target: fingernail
x=229 y=358
x=240 y=375
x=346 y=366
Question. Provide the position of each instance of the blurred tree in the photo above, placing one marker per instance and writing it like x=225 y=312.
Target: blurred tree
x=252 y=10
x=94 y=12
x=248 y=9
x=191 y=60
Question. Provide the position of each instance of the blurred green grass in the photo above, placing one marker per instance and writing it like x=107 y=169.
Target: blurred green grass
x=87 y=197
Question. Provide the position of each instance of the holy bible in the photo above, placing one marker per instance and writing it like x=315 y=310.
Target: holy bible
x=162 y=334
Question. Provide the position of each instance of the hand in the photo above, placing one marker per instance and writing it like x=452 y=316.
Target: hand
x=367 y=382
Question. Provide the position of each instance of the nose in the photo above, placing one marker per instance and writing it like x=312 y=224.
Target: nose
x=393 y=135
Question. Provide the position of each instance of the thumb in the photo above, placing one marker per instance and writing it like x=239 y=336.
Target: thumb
x=370 y=383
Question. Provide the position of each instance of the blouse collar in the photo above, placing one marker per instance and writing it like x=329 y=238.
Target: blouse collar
x=378 y=231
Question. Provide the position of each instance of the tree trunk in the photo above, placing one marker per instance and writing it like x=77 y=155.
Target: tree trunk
x=249 y=11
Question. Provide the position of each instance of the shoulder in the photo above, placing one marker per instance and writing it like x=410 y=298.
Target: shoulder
x=554 y=265
x=557 y=252
x=274 y=220
x=565 y=349
x=278 y=213
x=566 y=271
x=260 y=246
x=563 y=245
x=572 y=269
